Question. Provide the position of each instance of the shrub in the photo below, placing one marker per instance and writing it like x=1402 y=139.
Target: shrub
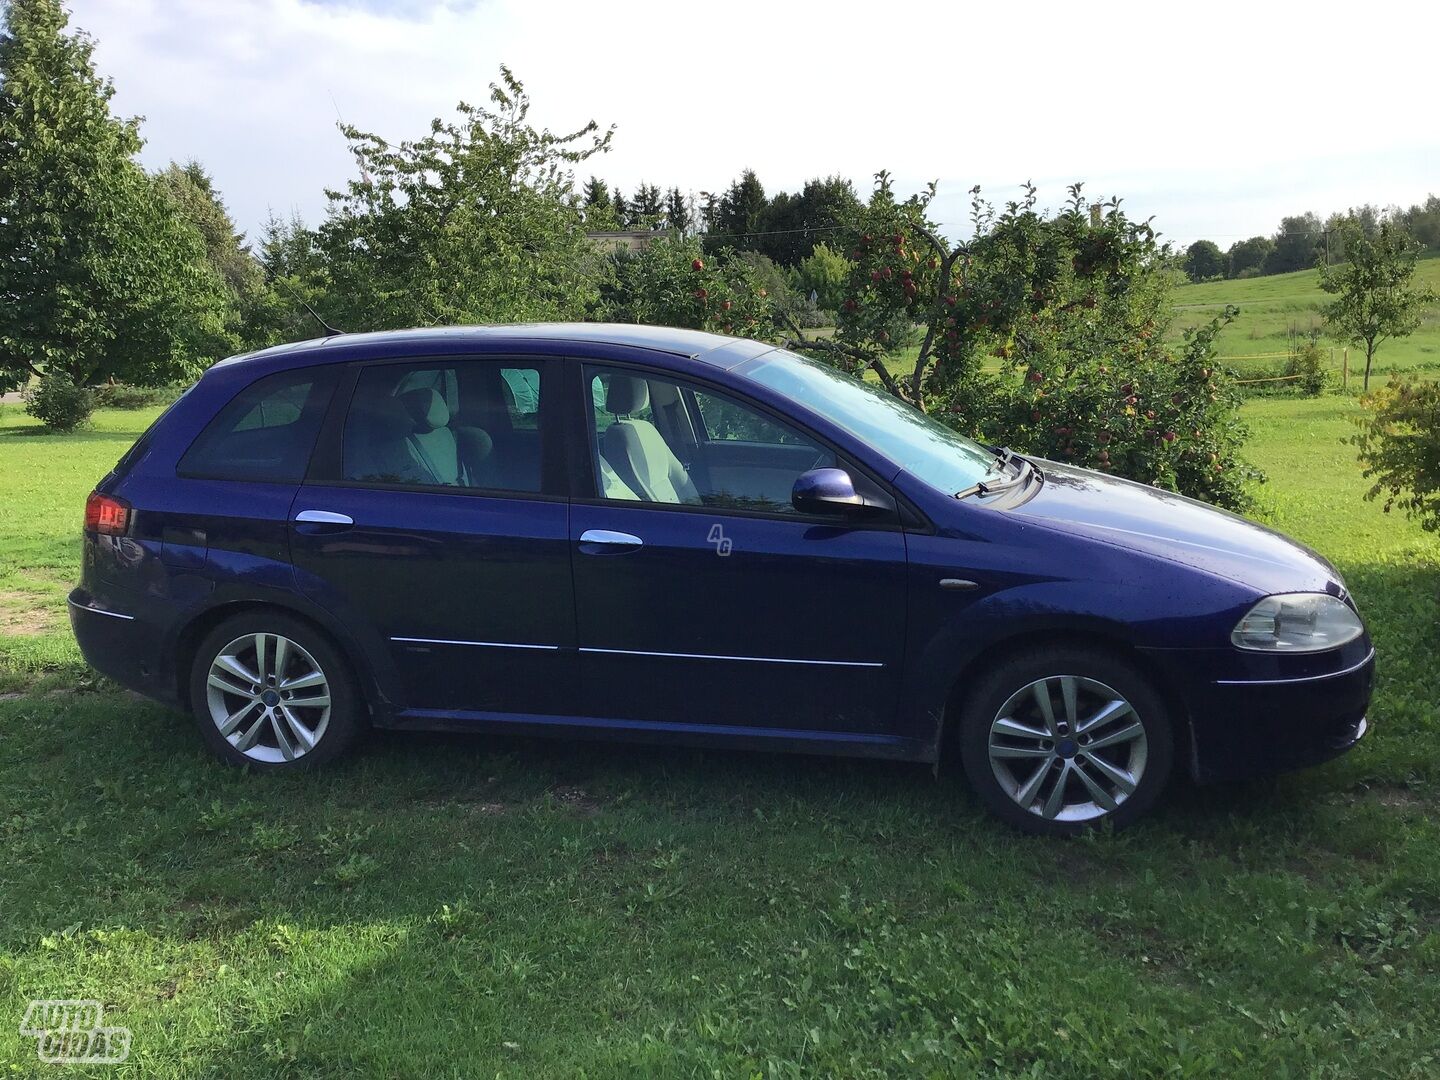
x=1399 y=445
x=1308 y=363
x=824 y=272
x=126 y=396
x=58 y=403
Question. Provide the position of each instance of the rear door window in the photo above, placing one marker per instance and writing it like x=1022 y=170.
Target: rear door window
x=452 y=424
x=267 y=432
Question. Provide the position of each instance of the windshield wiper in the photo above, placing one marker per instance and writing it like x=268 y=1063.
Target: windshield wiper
x=991 y=487
x=1003 y=456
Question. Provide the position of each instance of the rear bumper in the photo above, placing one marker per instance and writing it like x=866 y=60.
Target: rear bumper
x=121 y=644
x=1250 y=718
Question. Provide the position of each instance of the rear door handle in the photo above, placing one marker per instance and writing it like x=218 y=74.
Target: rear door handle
x=328 y=520
x=607 y=542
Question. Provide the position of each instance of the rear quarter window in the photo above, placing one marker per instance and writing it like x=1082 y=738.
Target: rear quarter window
x=267 y=431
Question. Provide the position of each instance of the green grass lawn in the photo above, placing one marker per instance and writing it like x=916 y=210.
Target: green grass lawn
x=448 y=907
x=1271 y=306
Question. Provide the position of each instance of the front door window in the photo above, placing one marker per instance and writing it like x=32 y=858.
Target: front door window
x=658 y=440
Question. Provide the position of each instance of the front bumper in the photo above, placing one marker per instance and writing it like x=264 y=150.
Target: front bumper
x=1251 y=715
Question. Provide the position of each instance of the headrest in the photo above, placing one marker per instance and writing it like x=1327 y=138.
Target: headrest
x=626 y=394
x=475 y=444
x=426 y=408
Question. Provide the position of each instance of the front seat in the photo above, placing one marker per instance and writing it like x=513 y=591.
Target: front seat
x=642 y=459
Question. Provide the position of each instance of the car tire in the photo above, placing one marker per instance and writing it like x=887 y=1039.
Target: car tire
x=1103 y=754
x=293 y=706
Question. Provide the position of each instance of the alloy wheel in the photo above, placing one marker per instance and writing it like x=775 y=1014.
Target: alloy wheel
x=1068 y=748
x=268 y=697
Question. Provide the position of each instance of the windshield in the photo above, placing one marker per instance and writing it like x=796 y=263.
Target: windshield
x=929 y=450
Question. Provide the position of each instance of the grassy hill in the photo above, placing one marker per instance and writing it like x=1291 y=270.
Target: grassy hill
x=1270 y=307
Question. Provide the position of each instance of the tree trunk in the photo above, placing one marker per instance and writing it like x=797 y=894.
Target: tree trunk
x=1369 y=356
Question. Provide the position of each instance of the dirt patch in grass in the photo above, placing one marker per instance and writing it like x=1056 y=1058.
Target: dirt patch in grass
x=1402 y=798
x=577 y=800
x=24 y=614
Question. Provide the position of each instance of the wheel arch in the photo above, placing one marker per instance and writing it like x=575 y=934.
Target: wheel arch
x=193 y=632
x=1100 y=639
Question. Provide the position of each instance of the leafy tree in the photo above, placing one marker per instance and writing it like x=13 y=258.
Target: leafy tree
x=739 y=213
x=1296 y=245
x=1376 y=296
x=768 y=277
x=678 y=213
x=1247 y=255
x=1076 y=312
x=474 y=222
x=99 y=275
x=1204 y=261
x=673 y=282
x=295 y=275
x=1399 y=445
x=1422 y=221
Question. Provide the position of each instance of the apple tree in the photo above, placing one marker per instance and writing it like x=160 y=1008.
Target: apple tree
x=672 y=281
x=1043 y=332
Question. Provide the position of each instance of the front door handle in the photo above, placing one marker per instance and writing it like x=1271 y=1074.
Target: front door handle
x=608 y=542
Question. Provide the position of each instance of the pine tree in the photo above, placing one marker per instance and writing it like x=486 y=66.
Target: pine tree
x=646 y=207
x=596 y=194
x=192 y=193
x=739 y=213
x=678 y=214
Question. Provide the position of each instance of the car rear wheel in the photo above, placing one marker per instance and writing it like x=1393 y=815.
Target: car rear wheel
x=270 y=691
x=1064 y=739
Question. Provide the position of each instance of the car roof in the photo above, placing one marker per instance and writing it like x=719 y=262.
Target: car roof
x=711 y=349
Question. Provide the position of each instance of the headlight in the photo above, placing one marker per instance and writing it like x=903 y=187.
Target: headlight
x=1297 y=622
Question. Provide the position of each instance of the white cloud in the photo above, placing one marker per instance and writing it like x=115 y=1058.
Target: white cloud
x=1216 y=118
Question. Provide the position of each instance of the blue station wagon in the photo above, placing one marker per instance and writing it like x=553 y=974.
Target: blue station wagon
x=663 y=535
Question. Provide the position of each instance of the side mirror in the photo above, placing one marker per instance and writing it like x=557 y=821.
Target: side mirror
x=827 y=491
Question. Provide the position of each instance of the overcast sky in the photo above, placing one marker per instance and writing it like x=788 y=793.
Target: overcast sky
x=1216 y=118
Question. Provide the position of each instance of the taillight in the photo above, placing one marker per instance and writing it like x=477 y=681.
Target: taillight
x=106 y=515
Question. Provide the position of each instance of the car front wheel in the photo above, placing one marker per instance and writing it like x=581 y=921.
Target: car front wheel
x=1063 y=739
x=270 y=691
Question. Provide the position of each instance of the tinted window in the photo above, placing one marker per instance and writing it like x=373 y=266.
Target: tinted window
x=267 y=432
x=467 y=424
x=661 y=441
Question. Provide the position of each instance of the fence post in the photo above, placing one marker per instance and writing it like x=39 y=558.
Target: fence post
x=1345 y=371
